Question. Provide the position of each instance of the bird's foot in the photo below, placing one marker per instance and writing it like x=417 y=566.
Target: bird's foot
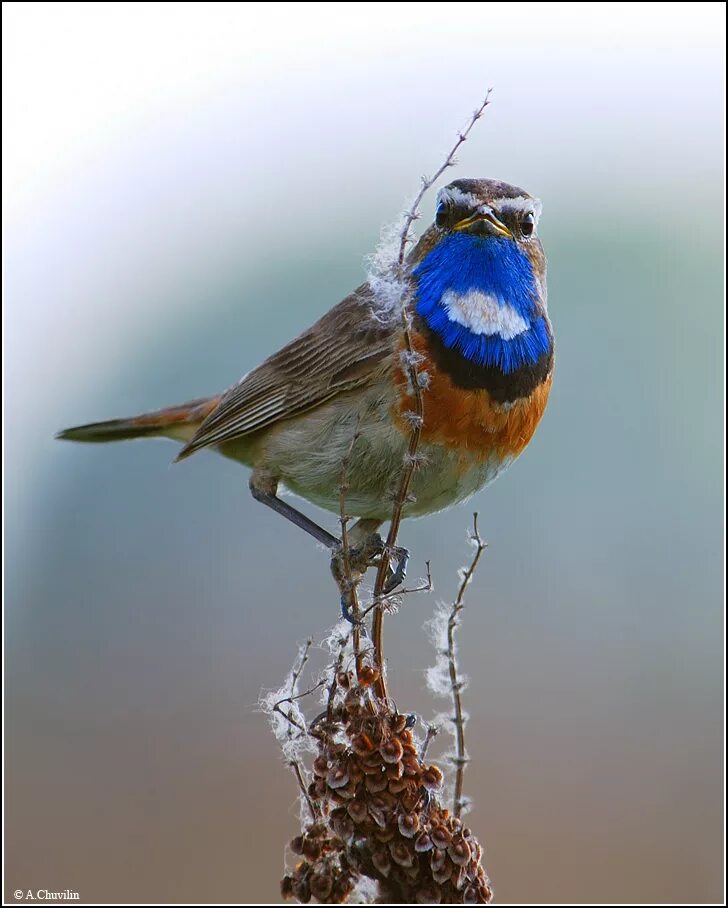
x=399 y=572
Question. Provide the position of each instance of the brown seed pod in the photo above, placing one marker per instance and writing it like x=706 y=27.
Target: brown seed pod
x=438 y=859
x=296 y=844
x=368 y=675
x=410 y=798
x=401 y=854
x=301 y=889
x=397 y=786
x=395 y=770
x=409 y=824
x=375 y=783
x=428 y=895
x=385 y=835
x=381 y=861
x=391 y=750
x=423 y=843
x=440 y=837
x=320 y=767
x=459 y=877
x=378 y=811
x=321 y=884
x=443 y=874
x=311 y=849
x=459 y=852
x=287 y=887
x=410 y=765
x=398 y=723
x=338 y=776
x=357 y=810
x=342 y=824
x=432 y=778
x=362 y=744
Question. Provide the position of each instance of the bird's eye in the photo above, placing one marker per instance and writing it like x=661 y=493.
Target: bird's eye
x=527 y=224
x=441 y=214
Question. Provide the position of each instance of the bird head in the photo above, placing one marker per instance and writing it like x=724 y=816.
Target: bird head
x=480 y=272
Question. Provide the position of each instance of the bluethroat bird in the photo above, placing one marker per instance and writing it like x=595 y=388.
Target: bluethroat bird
x=482 y=330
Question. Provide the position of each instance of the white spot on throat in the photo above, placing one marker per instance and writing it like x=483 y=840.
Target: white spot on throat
x=483 y=313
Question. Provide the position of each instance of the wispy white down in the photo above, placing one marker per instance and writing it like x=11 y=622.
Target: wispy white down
x=387 y=280
x=483 y=313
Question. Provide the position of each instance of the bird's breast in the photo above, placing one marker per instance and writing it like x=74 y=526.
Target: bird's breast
x=474 y=421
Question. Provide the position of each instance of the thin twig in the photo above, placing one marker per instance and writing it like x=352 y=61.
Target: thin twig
x=455 y=680
x=432 y=731
x=298 y=773
x=349 y=587
x=335 y=678
x=410 y=460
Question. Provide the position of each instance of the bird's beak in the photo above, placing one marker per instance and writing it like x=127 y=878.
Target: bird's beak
x=498 y=228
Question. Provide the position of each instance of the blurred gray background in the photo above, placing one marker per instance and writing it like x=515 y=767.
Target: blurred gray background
x=187 y=186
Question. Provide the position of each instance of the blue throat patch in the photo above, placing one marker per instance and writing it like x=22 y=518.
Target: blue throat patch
x=492 y=265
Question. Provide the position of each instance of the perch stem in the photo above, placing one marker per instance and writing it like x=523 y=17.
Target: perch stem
x=455 y=680
x=410 y=460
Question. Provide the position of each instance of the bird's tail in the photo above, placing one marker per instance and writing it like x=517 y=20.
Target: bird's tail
x=178 y=422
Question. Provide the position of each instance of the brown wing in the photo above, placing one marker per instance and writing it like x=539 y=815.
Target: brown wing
x=342 y=350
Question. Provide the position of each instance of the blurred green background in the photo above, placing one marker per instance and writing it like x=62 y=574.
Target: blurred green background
x=187 y=187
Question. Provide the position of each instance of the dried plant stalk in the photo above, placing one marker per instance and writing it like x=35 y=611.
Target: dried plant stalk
x=456 y=682
x=374 y=827
x=400 y=277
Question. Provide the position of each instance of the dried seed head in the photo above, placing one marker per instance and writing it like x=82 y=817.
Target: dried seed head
x=320 y=767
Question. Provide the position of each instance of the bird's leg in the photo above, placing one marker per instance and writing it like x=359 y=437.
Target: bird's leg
x=264 y=489
x=364 y=545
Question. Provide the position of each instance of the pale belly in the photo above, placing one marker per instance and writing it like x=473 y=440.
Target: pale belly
x=307 y=453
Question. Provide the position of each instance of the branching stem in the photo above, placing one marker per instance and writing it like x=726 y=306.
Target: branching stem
x=456 y=683
x=410 y=460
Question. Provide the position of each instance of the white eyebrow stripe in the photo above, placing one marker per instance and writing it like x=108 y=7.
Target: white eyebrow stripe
x=458 y=197
x=519 y=203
